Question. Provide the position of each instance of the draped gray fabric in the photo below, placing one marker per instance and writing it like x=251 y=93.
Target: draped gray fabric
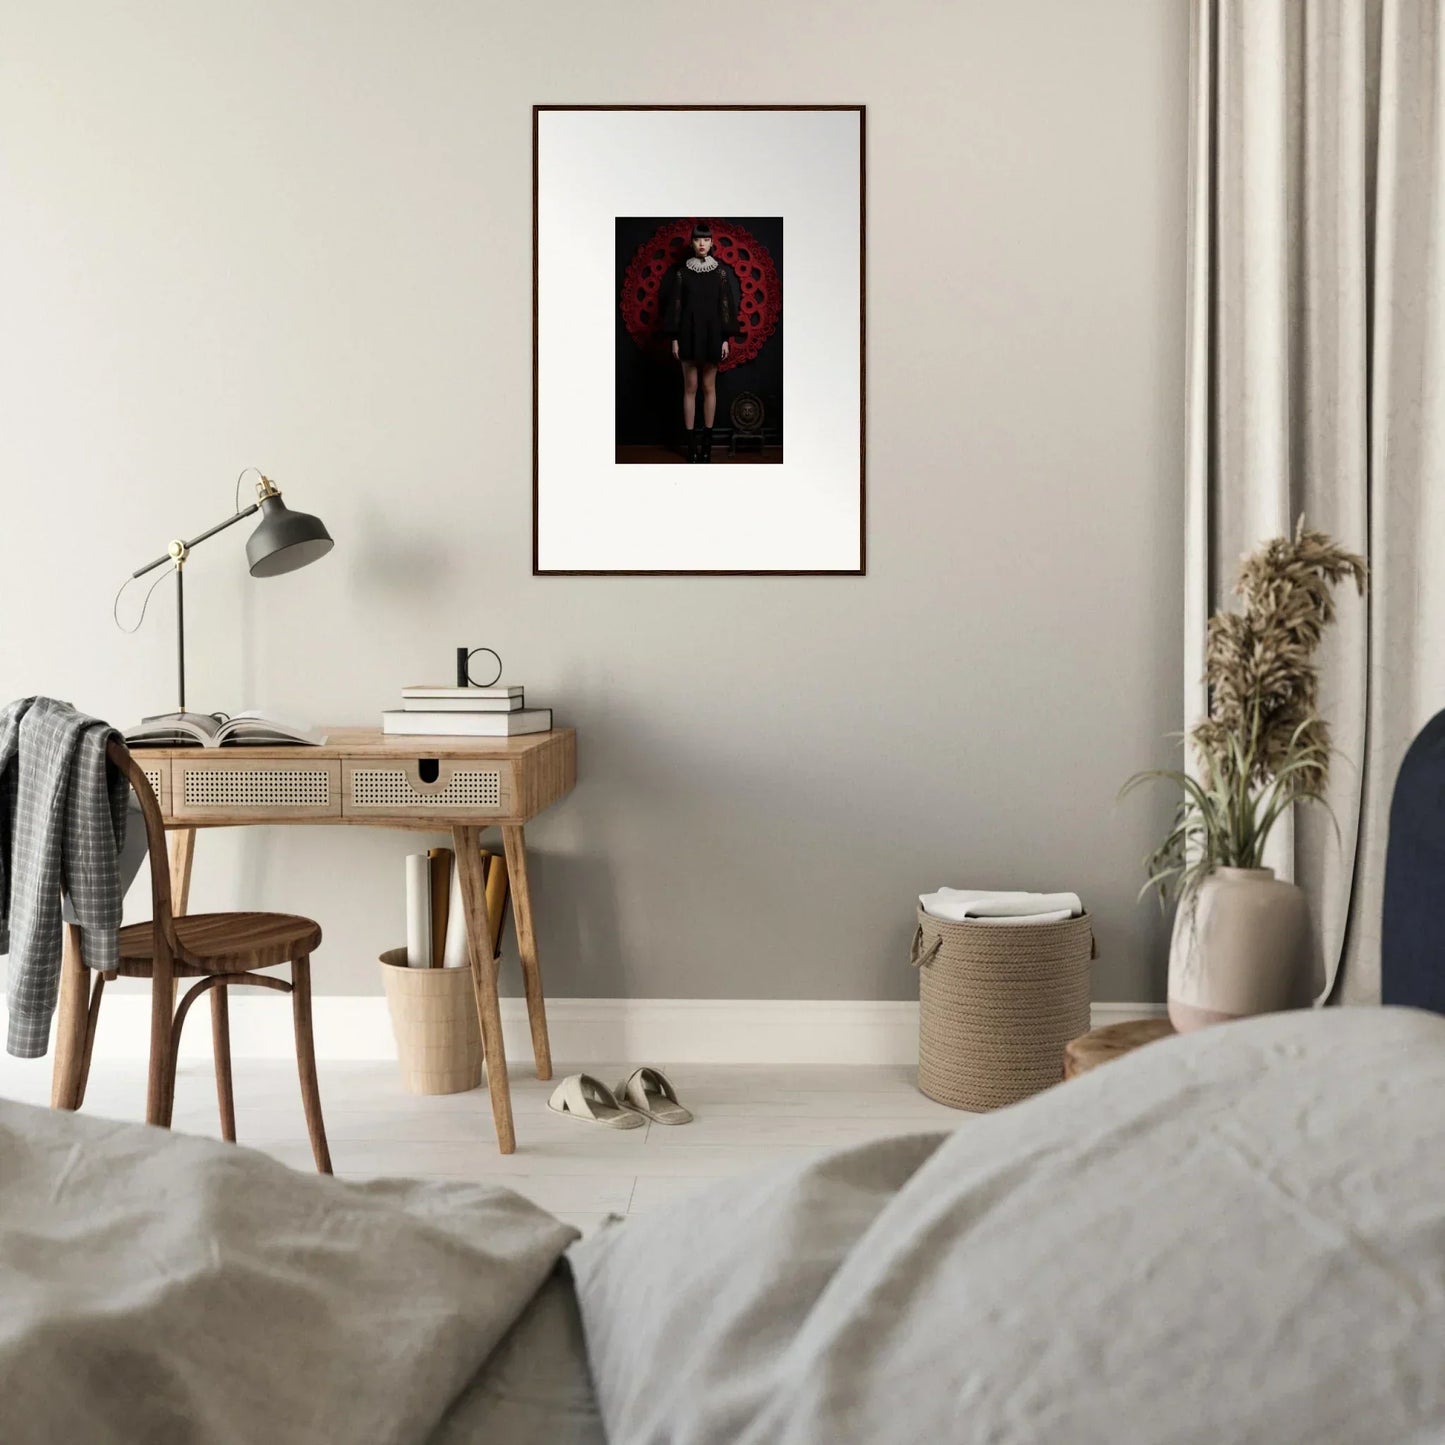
x=1316 y=385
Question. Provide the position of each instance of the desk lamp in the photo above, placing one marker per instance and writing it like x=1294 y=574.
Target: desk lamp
x=284 y=541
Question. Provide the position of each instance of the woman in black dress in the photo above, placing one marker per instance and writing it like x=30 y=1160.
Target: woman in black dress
x=700 y=313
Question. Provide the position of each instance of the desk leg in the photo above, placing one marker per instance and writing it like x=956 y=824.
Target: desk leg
x=468 y=845
x=181 y=843
x=70 y=1024
x=515 y=844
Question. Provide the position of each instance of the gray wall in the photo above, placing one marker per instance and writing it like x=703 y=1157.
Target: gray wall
x=299 y=236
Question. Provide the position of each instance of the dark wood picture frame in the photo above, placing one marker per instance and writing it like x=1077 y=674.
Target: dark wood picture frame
x=862 y=568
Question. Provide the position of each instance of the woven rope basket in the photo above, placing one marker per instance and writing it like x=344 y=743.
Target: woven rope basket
x=997 y=1004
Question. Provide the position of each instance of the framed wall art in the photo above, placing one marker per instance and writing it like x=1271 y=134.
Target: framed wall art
x=698 y=340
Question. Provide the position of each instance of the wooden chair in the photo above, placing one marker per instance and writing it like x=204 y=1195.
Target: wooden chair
x=217 y=949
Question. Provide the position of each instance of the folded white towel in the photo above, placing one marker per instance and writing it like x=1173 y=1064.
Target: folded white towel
x=982 y=905
x=1023 y=918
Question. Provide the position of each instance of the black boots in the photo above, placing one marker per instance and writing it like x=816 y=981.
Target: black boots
x=699 y=447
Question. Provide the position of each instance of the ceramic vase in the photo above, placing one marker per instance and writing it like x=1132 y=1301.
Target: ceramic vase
x=1239 y=947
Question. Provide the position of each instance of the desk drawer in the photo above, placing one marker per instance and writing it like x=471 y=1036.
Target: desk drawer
x=416 y=787
x=158 y=774
x=247 y=788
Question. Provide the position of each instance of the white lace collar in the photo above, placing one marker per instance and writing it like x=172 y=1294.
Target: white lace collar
x=703 y=263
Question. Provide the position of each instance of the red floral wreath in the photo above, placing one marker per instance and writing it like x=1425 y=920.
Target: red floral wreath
x=762 y=292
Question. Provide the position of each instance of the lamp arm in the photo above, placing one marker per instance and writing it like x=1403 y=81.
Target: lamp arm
x=186 y=546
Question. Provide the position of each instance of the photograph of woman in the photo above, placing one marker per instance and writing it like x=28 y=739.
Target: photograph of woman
x=699 y=345
x=673 y=226
x=699 y=316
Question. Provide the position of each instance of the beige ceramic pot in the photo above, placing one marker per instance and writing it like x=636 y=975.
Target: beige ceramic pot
x=1240 y=947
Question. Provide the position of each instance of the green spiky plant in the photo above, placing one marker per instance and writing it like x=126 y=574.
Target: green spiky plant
x=1263 y=746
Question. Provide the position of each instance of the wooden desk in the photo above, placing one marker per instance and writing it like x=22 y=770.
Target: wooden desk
x=361 y=779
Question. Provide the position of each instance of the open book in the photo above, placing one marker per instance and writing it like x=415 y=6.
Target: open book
x=218 y=730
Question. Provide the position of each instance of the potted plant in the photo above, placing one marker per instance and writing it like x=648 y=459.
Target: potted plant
x=1241 y=936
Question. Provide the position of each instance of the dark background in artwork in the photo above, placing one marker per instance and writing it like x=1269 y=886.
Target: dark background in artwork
x=649 y=391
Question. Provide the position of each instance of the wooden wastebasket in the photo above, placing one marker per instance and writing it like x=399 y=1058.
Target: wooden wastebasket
x=434 y=1019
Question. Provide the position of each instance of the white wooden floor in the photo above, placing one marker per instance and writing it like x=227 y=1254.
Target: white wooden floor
x=746 y=1117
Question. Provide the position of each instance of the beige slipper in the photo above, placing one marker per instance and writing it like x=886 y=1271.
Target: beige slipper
x=648 y=1091
x=580 y=1096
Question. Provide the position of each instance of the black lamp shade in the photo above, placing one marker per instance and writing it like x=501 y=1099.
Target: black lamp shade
x=285 y=540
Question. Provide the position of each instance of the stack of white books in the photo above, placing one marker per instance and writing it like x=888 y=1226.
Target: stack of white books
x=465 y=712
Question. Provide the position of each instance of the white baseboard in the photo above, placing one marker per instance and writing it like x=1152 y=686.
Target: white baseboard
x=582 y=1030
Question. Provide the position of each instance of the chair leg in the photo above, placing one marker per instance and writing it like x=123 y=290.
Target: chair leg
x=70 y=1023
x=306 y=1060
x=221 y=1049
x=161 y=1079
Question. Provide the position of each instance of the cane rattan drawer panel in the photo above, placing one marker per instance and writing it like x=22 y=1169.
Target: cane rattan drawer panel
x=237 y=786
x=408 y=787
x=158 y=774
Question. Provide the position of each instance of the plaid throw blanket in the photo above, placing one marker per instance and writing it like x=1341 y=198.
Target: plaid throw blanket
x=62 y=824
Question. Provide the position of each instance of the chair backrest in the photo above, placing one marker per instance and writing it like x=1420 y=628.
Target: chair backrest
x=161 y=914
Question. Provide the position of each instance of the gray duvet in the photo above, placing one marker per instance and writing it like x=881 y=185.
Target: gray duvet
x=158 y=1288
x=1239 y=1236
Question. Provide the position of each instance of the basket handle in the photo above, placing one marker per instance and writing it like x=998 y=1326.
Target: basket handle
x=919 y=956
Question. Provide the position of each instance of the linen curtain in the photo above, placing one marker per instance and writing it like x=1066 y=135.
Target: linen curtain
x=1316 y=385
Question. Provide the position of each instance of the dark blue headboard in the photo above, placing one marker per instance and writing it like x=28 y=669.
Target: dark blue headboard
x=1412 y=931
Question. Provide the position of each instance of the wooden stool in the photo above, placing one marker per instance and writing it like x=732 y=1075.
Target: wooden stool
x=1112 y=1041
x=218 y=949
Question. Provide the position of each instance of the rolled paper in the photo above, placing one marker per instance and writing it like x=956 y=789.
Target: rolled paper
x=418 y=911
x=454 y=951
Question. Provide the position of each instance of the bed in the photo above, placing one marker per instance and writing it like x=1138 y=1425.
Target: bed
x=1237 y=1235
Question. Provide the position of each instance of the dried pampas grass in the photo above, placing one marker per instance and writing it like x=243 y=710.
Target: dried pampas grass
x=1264 y=745
x=1259 y=663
